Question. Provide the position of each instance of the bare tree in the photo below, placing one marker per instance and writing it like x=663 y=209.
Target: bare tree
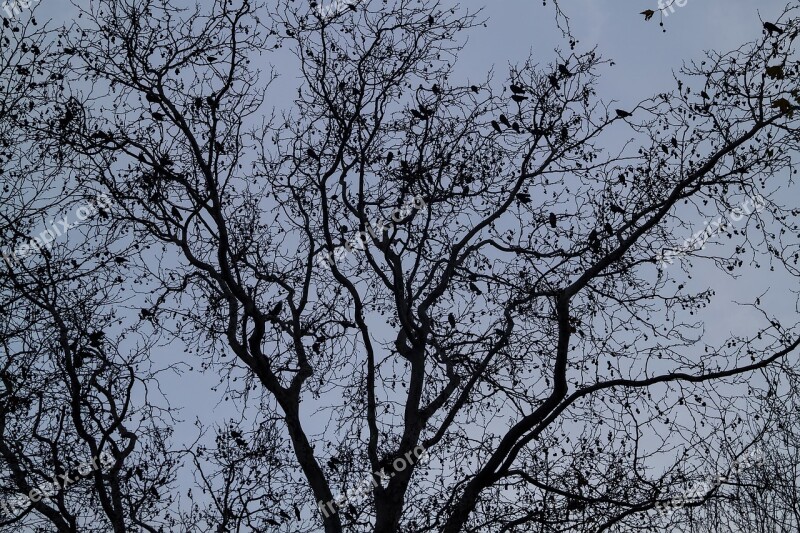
x=521 y=321
x=763 y=495
x=79 y=449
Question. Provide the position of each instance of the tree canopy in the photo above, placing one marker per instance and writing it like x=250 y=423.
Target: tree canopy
x=467 y=297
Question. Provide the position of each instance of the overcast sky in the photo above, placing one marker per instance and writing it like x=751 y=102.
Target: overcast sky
x=645 y=58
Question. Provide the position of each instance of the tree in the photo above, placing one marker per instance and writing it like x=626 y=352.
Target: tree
x=518 y=322
x=73 y=427
x=759 y=495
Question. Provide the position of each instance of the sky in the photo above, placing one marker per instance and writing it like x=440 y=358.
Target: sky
x=645 y=59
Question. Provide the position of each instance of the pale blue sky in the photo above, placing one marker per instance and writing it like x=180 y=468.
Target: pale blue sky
x=645 y=59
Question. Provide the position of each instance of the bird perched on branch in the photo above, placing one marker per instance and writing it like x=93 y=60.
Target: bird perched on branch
x=96 y=339
x=276 y=310
x=772 y=28
x=616 y=209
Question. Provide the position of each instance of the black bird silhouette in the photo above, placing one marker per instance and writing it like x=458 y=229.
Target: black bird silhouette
x=176 y=213
x=704 y=95
x=552 y=220
x=474 y=288
x=524 y=197
x=622 y=179
x=621 y=113
x=496 y=126
x=102 y=135
x=96 y=339
x=609 y=229
x=775 y=72
x=198 y=102
x=564 y=71
x=784 y=105
x=276 y=310
x=473 y=88
x=516 y=89
x=772 y=28
x=451 y=319
x=152 y=97
x=389 y=157
x=614 y=207
x=69 y=114
x=297 y=511
x=665 y=149
x=417 y=114
x=158 y=116
x=515 y=127
x=425 y=111
x=518 y=98
x=504 y=120
x=212 y=103
x=431 y=20
x=435 y=89
x=312 y=154
x=593 y=235
x=674 y=142
x=553 y=80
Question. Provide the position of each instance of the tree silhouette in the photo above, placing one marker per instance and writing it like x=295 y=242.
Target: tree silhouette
x=520 y=326
x=73 y=429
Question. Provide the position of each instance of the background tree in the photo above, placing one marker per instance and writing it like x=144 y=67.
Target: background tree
x=519 y=327
x=74 y=378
